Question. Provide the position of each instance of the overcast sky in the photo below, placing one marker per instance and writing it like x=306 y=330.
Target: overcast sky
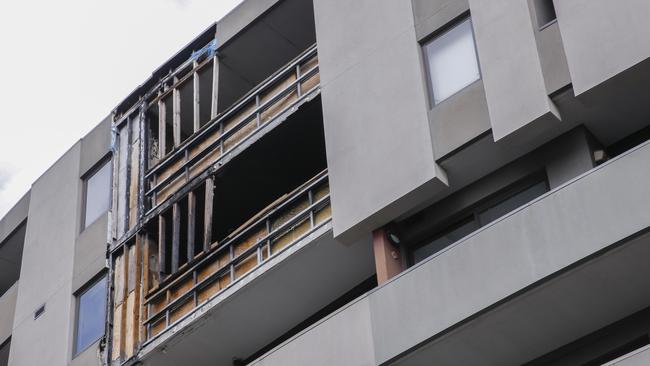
x=66 y=64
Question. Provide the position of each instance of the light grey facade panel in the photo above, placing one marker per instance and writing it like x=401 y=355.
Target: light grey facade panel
x=559 y=229
x=95 y=145
x=551 y=233
x=343 y=339
x=511 y=68
x=552 y=58
x=373 y=91
x=602 y=38
x=240 y=17
x=361 y=264
x=430 y=15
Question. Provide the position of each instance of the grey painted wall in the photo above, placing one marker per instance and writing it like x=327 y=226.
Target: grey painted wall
x=615 y=33
x=373 y=92
x=511 y=68
x=58 y=258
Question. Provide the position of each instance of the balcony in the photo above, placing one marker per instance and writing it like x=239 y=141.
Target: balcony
x=272 y=231
x=7 y=310
x=566 y=264
x=219 y=140
x=277 y=269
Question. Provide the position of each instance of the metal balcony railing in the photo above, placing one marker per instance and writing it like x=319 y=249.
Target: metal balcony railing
x=269 y=233
x=295 y=84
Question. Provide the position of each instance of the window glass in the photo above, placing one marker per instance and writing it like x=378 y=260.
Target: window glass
x=511 y=203
x=451 y=61
x=545 y=11
x=91 y=311
x=450 y=236
x=98 y=188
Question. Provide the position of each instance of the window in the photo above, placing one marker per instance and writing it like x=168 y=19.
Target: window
x=98 y=194
x=451 y=61
x=545 y=12
x=433 y=241
x=91 y=313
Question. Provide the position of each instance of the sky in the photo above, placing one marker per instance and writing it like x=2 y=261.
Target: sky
x=66 y=64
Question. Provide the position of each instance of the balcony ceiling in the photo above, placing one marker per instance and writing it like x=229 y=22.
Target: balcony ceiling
x=264 y=47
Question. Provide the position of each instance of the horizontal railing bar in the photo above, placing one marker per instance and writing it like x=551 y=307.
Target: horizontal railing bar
x=321 y=177
x=230 y=111
x=232 y=131
x=215 y=276
x=189 y=313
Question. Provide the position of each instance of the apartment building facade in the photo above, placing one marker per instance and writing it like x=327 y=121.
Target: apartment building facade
x=329 y=182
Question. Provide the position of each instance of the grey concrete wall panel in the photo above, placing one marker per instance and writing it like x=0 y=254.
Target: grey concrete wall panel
x=373 y=89
x=640 y=357
x=563 y=309
x=569 y=157
x=240 y=17
x=511 y=70
x=95 y=145
x=90 y=252
x=552 y=232
x=615 y=33
x=46 y=272
x=459 y=120
x=16 y=215
x=430 y=15
x=552 y=58
x=89 y=357
x=7 y=310
x=345 y=338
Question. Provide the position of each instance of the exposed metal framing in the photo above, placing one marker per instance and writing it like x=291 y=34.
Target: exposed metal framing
x=216 y=123
x=228 y=246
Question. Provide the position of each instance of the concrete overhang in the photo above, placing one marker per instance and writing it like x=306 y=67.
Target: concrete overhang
x=268 y=302
x=558 y=268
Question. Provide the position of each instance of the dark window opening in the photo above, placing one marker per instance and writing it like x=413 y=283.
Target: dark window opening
x=182 y=242
x=284 y=159
x=153 y=133
x=169 y=123
x=167 y=222
x=4 y=352
x=421 y=240
x=186 y=104
x=205 y=93
x=628 y=142
x=545 y=11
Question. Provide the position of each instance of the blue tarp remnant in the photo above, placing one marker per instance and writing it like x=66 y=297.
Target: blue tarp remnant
x=210 y=50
